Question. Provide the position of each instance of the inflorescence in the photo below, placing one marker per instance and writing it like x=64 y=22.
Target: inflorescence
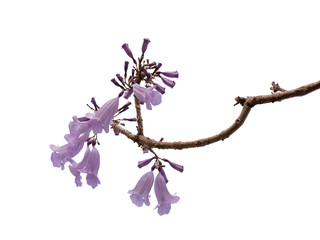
x=145 y=83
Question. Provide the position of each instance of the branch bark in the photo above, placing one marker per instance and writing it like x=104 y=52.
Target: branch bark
x=247 y=104
x=139 y=116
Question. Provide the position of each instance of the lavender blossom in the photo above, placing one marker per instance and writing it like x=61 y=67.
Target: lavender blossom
x=102 y=118
x=174 y=74
x=175 y=166
x=77 y=127
x=163 y=173
x=65 y=153
x=160 y=89
x=168 y=82
x=145 y=162
x=114 y=81
x=140 y=193
x=74 y=169
x=90 y=165
x=128 y=52
x=165 y=199
x=145 y=44
x=147 y=95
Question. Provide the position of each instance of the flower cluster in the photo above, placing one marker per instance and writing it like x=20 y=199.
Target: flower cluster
x=145 y=79
x=140 y=193
x=80 y=129
x=145 y=83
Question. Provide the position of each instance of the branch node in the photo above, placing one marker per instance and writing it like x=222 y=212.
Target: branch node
x=240 y=100
x=276 y=88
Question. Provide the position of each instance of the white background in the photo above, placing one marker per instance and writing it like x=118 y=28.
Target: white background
x=261 y=183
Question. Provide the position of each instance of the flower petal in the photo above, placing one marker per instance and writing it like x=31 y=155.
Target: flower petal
x=165 y=199
x=142 y=189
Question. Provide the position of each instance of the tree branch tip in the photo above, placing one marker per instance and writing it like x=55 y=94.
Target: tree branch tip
x=240 y=100
x=276 y=88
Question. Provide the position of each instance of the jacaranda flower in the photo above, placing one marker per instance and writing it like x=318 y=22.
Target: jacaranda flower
x=165 y=199
x=175 y=166
x=160 y=89
x=145 y=162
x=65 y=153
x=145 y=44
x=101 y=119
x=174 y=74
x=78 y=127
x=90 y=165
x=147 y=95
x=140 y=193
x=168 y=82
x=128 y=52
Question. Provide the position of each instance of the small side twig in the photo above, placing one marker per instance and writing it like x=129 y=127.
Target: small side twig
x=276 y=88
x=240 y=100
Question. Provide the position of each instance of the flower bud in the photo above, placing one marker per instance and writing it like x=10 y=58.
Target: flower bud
x=145 y=44
x=160 y=89
x=174 y=74
x=128 y=52
x=168 y=82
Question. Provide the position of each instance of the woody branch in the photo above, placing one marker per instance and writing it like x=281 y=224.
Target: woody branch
x=247 y=104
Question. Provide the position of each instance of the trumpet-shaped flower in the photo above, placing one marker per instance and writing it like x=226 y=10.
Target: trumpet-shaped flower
x=147 y=95
x=140 y=193
x=90 y=165
x=102 y=118
x=165 y=199
x=78 y=127
x=65 y=153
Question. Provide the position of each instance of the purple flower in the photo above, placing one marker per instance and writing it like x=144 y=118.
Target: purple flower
x=101 y=119
x=114 y=81
x=128 y=52
x=65 y=153
x=168 y=82
x=174 y=74
x=163 y=173
x=90 y=165
x=92 y=168
x=160 y=89
x=165 y=199
x=145 y=44
x=77 y=127
x=147 y=95
x=145 y=162
x=175 y=166
x=140 y=193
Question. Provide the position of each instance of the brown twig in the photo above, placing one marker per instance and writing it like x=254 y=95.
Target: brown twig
x=139 y=117
x=276 y=88
x=247 y=104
